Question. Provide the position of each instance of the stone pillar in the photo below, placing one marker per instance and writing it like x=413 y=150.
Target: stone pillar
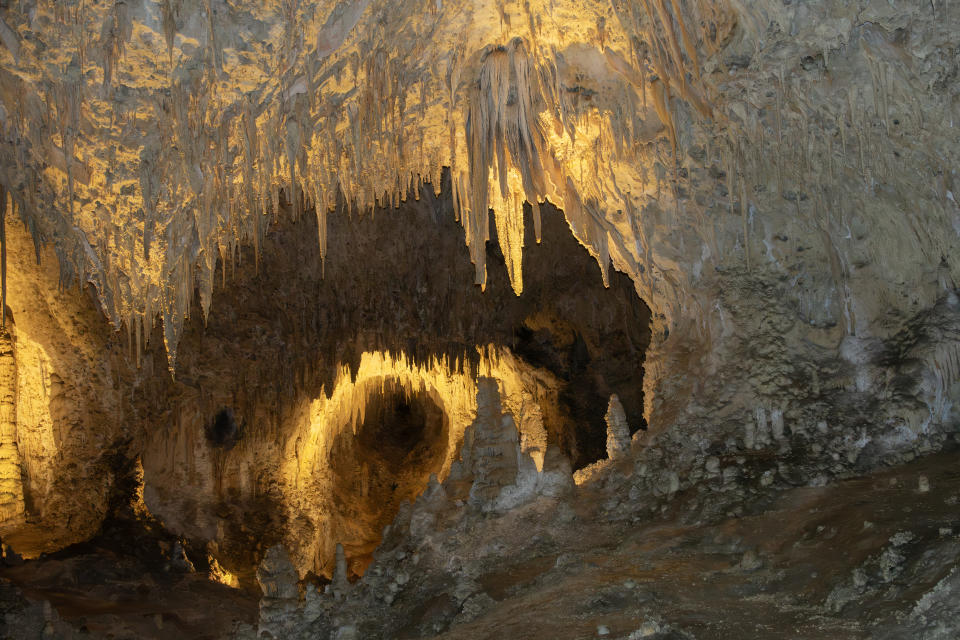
x=11 y=485
x=494 y=442
x=278 y=581
x=618 y=431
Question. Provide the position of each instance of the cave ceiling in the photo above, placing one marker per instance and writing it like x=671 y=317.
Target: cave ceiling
x=148 y=140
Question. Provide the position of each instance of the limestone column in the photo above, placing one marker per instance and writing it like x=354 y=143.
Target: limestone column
x=11 y=485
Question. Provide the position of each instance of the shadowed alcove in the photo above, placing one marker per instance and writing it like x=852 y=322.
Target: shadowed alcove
x=401 y=440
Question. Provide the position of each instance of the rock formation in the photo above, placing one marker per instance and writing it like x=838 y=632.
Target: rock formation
x=618 y=431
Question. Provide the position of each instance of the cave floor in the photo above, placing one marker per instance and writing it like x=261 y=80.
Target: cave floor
x=118 y=596
x=782 y=570
x=845 y=560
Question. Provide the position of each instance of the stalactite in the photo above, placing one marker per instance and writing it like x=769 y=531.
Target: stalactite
x=730 y=171
x=861 y=143
x=778 y=91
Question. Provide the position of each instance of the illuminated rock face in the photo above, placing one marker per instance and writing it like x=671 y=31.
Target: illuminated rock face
x=734 y=160
x=272 y=430
x=150 y=139
x=11 y=480
x=58 y=406
x=311 y=373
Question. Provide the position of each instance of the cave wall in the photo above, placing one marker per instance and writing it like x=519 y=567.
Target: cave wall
x=62 y=405
x=296 y=371
x=818 y=288
x=11 y=502
x=728 y=157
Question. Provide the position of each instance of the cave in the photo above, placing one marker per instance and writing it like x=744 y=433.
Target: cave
x=349 y=319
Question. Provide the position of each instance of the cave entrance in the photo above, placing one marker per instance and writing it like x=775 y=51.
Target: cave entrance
x=401 y=441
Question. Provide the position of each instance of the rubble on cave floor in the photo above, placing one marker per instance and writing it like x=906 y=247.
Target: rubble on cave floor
x=869 y=556
x=778 y=532
x=97 y=590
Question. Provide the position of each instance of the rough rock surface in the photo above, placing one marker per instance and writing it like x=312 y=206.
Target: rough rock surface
x=729 y=555
x=216 y=469
x=703 y=147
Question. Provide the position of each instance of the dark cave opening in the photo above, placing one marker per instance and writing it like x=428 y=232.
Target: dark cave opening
x=401 y=441
x=224 y=432
x=592 y=337
x=411 y=293
x=588 y=377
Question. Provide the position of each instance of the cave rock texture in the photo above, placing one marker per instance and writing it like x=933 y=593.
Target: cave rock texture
x=464 y=318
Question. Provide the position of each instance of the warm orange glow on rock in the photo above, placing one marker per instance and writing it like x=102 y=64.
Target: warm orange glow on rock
x=54 y=398
x=308 y=477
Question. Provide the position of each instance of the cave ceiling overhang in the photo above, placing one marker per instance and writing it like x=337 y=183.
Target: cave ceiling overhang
x=147 y=139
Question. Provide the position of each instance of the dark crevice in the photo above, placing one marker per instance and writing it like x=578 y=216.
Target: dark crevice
x=401 y=280
x=224 y=432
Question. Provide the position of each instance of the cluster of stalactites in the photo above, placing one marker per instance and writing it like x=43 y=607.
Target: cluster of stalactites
x=344 y=120
x=506 y=151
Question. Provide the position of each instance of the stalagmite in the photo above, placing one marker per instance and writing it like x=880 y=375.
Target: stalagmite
x=340 y=585
x=493 y=440
x=618 y=431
